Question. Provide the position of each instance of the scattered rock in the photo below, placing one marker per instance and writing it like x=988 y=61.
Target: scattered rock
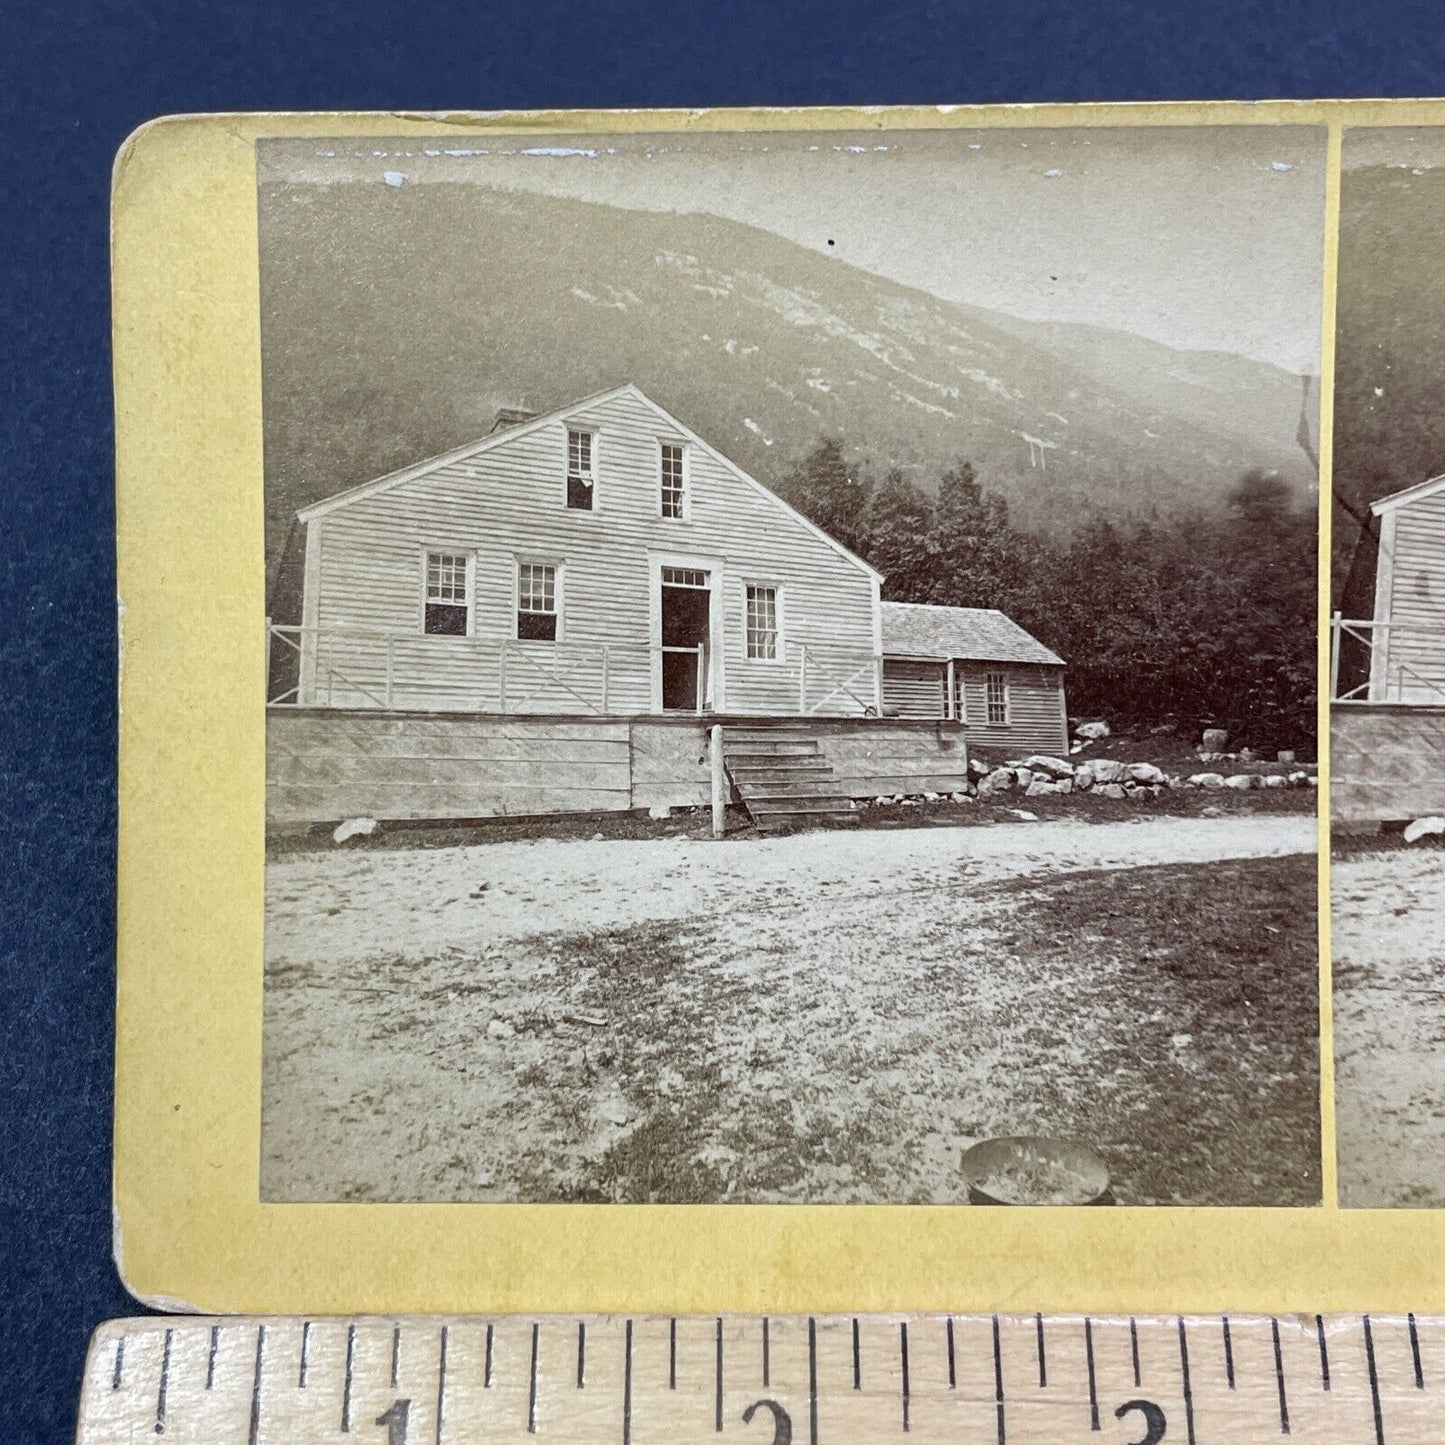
x=598 y=838
x=1023 y=776
x=1182 y=1041
x=1240 y=782
x=1084 y=778
x=500 y=1029
x=1145 y=773
x=1215 y=740
x=1206 y=780
x=1064 y=785
x=614 y=1111
x=484 y=1181
x=978 y=769
x=1093 y=730
x=931 y=797
x=1052 y=767
x=1110 y=790
x=1039 y=787
x=1423 y=828
x=1107 y=770
x=1246 y=755
x=659 y=811
x=354 y=828
x=1024 y=815
x=1275 y=780
x=1001 y=780
x=1285 y=755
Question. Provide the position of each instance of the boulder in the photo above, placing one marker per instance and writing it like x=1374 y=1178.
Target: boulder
x=355 y=828
x=500 y=1029
x=1023 y=776
x=1092 y=731
x=1145 y=773
x=930 y=797
x=1084 y=778
x=978 y=769
x=1039 y=787
x=1215 y=740
x=1064 y=785
x=659 y=811
x=1206 y=780
x=1111 y=790
x=1001 y=780
x=1239 y=782
x=1285 y=756
x=1107 y=770
x=1423 y=828
x=1052 y=767
x=1276 y=780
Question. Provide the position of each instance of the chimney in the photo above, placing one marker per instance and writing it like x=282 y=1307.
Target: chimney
x=511 y=416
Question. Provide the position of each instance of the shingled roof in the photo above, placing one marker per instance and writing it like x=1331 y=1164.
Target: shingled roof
x=978 y=634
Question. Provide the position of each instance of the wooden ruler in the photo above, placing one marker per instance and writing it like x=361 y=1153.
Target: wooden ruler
x=823 y=1380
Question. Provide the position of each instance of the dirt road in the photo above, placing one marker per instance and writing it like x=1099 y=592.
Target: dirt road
x=1389 y=978
x=829 y=1017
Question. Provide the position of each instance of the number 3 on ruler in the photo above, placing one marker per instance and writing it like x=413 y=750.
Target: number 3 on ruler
x=395 y=1421
x=1153 y=1419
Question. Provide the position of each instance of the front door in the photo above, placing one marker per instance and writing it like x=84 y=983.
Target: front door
x=686 y=608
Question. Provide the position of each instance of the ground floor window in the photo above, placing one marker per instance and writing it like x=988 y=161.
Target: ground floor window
x=448 y=595
x=996 y=686
x=762 y=622
x=536 y=602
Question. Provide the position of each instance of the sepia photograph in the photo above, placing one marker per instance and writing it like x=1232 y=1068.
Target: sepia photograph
x=1387 y=720
x=793 y=666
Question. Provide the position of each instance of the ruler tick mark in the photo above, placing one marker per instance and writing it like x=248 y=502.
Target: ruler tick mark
x=857 y=1359
x=165 y=1384
x=1415 y=1354
x=1184 y=1377
x=1374 y=1383
x=1279 y=1379
x=211 y=1357
x=581 y=1354
x=256 y=1386
x=1093 y=1387
x=717 y=1383
x=395 y=1354
x=1228 y=1354
x=346 y=1387
x=1134 y=1347
x=672 y=1354
x=487 y=1367
x=813 y=1377
x=305 y=1356
x=997 y=1379
x=532 y=1387
x=1324 y=1352
x=627 y=1383
x=766 y=1361
x=1039 y=1345
x=952 y=1374
x=441 y=1386
x=903 y=1359
x=119 y=1363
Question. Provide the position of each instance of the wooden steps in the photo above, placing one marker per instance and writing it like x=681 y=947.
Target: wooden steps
x=783 y=777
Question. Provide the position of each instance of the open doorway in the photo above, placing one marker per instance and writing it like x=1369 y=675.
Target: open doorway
x=686 y=611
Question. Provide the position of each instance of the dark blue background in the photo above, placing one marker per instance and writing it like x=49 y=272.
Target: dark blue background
x=74 y=80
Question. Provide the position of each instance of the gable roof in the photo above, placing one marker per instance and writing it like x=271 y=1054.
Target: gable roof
x=1409 y=494
x=510 y=434
x=977 y=634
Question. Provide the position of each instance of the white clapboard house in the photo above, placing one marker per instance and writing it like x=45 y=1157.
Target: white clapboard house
x=1388 y=683
x=546 y=618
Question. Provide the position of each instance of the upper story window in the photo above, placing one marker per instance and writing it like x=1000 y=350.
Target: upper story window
x=674 y=482
x=997 y=690
x=581 y=479
x=762 y=622
x=448 y=595
x=536 y=602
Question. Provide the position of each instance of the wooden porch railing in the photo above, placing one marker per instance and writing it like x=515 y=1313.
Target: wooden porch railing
x=1378 y=673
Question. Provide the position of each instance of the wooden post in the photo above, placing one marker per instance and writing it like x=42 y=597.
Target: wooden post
x=1335 y=655
x=949 y=706
x=701 y=682
x=878 y=683
x=502 y=677
x=719 y=783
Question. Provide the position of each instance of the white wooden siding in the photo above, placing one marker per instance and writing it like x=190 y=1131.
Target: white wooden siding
x=1411 y=596
x=913 y=689
x=508 y=503
x=1036 y=711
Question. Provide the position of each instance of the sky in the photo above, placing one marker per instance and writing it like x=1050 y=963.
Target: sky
x=1201 y=238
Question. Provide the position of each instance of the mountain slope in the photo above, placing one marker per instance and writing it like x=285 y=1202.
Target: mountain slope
x=397 y=320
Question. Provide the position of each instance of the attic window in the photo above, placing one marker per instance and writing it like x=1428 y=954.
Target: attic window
x=448 y=595
x=581 y=481
x=674 y=495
